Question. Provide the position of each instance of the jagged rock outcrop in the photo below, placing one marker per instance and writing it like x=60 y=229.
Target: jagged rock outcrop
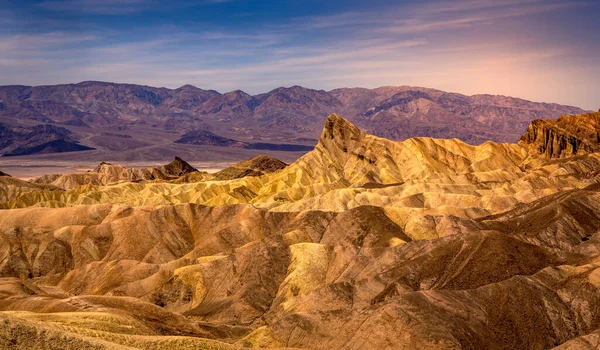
x=106 y=174
x=564 y=137
x=361 y=243
x=256 y=166
x=178 y=167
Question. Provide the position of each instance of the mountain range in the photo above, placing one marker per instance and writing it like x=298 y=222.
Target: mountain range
x=129 y=121
x=361 y=243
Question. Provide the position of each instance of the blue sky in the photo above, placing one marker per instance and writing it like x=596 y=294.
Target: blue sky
x=543 y=50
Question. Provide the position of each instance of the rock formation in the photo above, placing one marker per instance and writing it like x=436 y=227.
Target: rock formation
x=178 y=167
x=256 y=166
x=106 y=174
x=361 y=243
x=565 y=137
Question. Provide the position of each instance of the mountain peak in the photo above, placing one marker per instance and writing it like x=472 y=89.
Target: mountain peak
x=187 y=87
x=340 y=141
x=564 y=137
x=105 y=167
x=177 y=167
x=340 y=129
x=255 y=166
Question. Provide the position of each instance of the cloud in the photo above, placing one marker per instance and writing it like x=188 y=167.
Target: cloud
x=472 y=5
x=22 y=63
x=122 y=7
x=20 y=44
x=432 y=16
x=218 y=1
x=469 y=13
x=97 y=7
x=426 y=44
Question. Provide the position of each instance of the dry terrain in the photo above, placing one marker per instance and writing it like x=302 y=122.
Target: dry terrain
x=97 y=121
x=361 y=243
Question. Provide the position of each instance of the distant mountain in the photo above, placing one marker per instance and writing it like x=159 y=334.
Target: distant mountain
x=403 y=112
x=256 y=166
x=39 y=139
x=56 y=146
x=207 y=138
x=291 y=115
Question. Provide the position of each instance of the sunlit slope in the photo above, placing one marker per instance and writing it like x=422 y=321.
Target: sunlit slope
x=361 y=243
x=91 y=330
x=349 y=168
x=108 y=174
x=251 y=277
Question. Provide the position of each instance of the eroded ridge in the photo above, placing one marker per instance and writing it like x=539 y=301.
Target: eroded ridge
x=361 y=243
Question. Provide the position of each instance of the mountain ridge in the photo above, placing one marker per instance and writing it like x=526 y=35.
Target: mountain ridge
x=363 y=242
x=566 y=136
x=89 y=109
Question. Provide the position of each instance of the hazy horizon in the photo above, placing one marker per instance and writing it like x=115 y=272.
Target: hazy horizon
x=537 y=50
x=290 y=86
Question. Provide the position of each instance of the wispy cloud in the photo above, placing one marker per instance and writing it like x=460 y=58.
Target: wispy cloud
x=218 y=1
x=473 y=12
x=122 y=7
x=474 y=5
x=98 y=7
x=462 y=45
x=20 y=44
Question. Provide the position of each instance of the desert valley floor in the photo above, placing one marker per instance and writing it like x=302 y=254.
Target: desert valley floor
x=361 y=243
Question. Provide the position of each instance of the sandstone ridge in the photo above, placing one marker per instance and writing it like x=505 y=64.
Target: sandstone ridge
x=565 y=137
x=363 y=242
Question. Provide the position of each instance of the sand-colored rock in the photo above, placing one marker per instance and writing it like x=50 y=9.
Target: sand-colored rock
x=564 y=137
x=108 y=174
x=255 y=166
x=363 y=243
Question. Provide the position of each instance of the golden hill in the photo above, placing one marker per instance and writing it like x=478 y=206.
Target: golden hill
x=361 y=243
x=348 y=168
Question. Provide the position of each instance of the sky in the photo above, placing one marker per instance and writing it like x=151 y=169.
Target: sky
x=541 y=50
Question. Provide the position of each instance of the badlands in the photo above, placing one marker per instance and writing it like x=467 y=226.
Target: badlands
x=362 y=243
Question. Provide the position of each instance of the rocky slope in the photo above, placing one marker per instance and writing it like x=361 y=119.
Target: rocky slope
x=256 y=166
x=39 y=139
x=207 y=138
x=106 y=174
x=565 y=137
x=291 y=115
x=361 y=243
